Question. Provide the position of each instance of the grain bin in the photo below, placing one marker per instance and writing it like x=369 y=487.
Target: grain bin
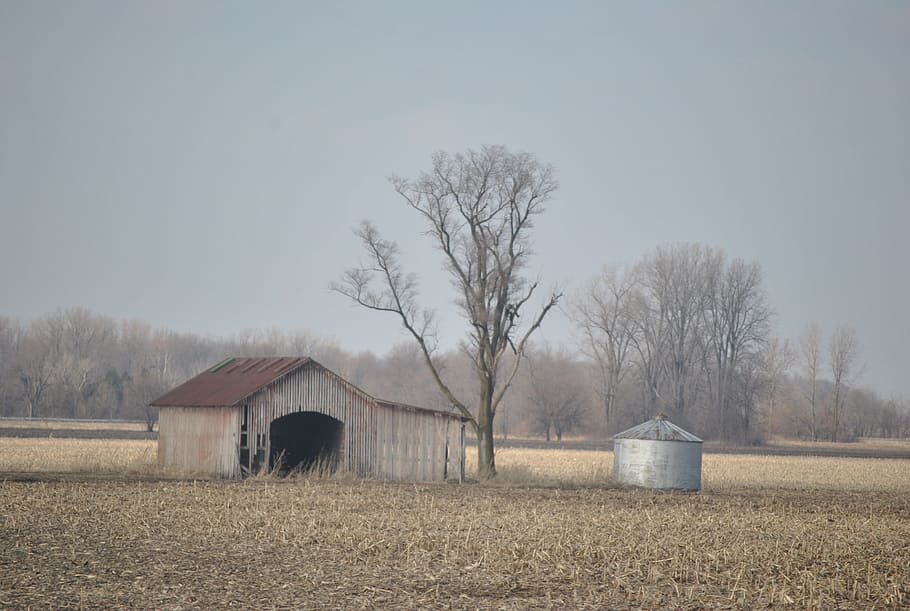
x=657 y=454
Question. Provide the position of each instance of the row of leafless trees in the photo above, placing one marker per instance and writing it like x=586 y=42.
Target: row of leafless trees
x=687 y=331
x=76 y=363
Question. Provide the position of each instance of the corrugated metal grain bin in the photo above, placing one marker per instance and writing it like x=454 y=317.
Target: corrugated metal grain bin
x=657 y=454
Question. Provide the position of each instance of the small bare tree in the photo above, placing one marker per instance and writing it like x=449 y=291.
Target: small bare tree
x=479 y=209
x=10 y=334
x=650 y=341
x=34 y=366
x=843 y=351
x=676 y=279
x=810 y=351
x=737 y=325
x=777 y=359
x=556 y=392
x=605 y=314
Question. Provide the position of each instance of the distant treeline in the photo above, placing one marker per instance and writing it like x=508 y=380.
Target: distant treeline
x=684 y=331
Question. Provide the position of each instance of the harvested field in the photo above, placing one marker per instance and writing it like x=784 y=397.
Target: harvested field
x=552 y=532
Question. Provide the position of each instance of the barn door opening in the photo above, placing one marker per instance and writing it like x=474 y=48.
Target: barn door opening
x=304 y=441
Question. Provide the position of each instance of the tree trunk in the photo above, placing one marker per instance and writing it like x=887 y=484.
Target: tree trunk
x=486 y=462
x=812 y=404
x=836 y=410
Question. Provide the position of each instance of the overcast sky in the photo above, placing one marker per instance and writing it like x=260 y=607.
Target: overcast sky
x=200 y=165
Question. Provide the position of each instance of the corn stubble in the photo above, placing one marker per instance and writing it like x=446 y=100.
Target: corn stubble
x=552 y=532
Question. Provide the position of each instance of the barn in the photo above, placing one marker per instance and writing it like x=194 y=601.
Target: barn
x=248 y=414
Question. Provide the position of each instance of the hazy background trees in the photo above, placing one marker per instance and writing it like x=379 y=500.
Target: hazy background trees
x=700 y=349
x=559 y=387
x=687 y=331
x=557 y=394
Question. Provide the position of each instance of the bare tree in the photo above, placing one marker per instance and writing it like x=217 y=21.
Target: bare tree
x=843 y=351
x=677 y=277
x=777 y=359
x=80 y=337
x=605 y=314
x=556 y=392
x=650 y=341
x=479 y=209
x=34 y=365
x=738 y=319
x=810 y=351
x=747 y=383
x=10 y=336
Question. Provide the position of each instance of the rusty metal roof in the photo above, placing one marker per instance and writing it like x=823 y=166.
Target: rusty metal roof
x=229 y=382
x=657 y=429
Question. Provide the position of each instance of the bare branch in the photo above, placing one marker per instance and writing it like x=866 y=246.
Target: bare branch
x=398 y=295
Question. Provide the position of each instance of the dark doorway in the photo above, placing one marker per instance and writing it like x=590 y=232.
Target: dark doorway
x=303 y=441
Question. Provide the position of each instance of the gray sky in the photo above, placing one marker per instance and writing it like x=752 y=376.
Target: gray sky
x=200 y=165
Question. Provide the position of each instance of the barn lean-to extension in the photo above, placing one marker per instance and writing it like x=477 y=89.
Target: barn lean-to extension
x=248 y=414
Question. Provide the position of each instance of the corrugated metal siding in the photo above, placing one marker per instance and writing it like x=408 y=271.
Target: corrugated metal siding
x=200 y=440
x=657 y=464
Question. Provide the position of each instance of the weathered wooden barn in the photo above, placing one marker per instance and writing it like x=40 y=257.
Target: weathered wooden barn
x=248 y=414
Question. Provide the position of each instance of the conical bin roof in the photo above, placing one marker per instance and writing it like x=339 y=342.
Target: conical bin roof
x=658 y=429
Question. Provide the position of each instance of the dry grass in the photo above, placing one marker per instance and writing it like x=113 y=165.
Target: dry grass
x=805 y=473
x=533 y=467
x=552 y=533
x=561 y=468
x=77 y=455
x=868 y=443
x=90 y=425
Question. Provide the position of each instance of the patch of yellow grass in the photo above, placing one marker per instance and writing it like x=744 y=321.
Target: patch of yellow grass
x=77 y=455
x=723 y=471
x=90 y=425
x=523 y=466
x=517 y=466
x=81 y=425
x=719 y=471
x=868 y=443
